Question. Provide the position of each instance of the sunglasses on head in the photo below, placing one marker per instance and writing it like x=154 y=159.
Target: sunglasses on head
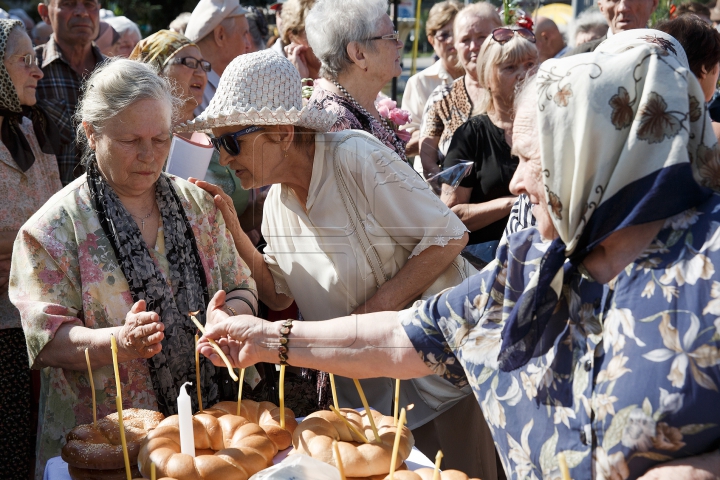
x=503 y=35
x=229 y=140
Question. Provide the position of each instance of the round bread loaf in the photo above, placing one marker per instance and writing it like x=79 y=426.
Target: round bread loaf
x=427 y=474
x=92 y=474
x=225 y=447
x=315 y=434
x=265 y=414
x=88 y=447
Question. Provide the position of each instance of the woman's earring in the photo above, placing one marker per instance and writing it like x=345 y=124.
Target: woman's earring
x=285 y=154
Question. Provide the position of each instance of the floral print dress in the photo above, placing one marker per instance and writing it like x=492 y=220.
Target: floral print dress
x=65 y=272
x=626 y=375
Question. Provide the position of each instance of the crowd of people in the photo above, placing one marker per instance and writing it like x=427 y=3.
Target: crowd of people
x=557 y=296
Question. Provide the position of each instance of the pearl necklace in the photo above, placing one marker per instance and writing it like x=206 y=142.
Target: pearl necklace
x=399 y=148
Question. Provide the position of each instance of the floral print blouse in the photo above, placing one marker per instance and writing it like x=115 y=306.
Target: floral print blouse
x=64 y=271
x=627 y=375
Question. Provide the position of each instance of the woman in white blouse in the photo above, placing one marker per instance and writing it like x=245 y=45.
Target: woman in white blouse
x=325 y=184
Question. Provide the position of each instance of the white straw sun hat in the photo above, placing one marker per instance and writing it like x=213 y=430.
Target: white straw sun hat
x=261 y=88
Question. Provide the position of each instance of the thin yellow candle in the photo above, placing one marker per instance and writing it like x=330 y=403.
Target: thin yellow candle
x=564 y=470
x=438 y=459
x=338 y=460
x=242 y=379
x=92 y=387
x=349 y=425
x=334 y=392
x=118 y=404
x=197 y=375
x=396 y=445
x=153 y=475
x=367 y=409
x=214 y=345
x=282 y=396
x=397 y=400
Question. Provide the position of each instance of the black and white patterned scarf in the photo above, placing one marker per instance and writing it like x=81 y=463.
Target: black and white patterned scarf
x=187 y=292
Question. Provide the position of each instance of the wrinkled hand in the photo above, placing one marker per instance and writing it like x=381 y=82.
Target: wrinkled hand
x=236 y=337
x=216 y=312
x=4 y=271
x=224 y=203
x=141 y=334
x=296 y=54
x=700 y=467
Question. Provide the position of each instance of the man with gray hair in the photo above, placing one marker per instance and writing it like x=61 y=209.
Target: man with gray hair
x=221 y=31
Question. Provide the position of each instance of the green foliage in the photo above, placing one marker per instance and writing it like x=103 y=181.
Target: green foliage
x=662 y=12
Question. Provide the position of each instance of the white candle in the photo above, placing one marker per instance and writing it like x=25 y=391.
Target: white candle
x=187 y=441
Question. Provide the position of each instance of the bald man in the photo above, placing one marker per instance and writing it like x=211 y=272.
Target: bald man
x=550 y=42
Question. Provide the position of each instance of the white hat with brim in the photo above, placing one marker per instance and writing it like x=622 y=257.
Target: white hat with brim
x=208 y=14
x=261 y=88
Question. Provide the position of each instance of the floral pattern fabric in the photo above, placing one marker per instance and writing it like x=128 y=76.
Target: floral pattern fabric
x=626 y=376
x=65 y=272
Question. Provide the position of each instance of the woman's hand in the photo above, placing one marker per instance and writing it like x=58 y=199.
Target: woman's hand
x=700 y=467
x=236 y=337
x=224 y=203
x=216 y=312
x=296 y=54
x=141 y=334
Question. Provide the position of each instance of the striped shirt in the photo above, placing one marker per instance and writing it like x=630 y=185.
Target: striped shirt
x=58 y=93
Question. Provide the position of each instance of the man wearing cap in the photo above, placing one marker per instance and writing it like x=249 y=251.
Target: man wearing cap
x=221 y=31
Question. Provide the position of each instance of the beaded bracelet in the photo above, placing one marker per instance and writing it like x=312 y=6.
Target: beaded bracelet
x=283 y=348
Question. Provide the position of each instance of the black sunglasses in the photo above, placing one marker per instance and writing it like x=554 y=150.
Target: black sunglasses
x=229 y=140
x=193 y=63
x=503 y=35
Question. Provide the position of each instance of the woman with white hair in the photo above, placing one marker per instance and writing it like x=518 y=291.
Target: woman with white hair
x=124 y=250
x=129 y=33
x=360 y=52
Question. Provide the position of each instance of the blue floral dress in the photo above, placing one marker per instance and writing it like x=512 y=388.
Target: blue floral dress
x=626 y=375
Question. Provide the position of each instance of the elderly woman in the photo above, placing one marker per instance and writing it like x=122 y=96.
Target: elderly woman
x=483 y=200
x=129 y=35
x=29 y=176
x=297 y=48
x=124 y=250
x=439 y=29
x=451 y=105
x=595 y=334
x=350 y=228
x=360 y=53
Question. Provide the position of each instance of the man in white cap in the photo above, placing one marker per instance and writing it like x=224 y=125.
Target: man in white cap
x=222 y=32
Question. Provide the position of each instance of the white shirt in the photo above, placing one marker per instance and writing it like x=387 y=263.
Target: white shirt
x=315 y=257
x=213 y=80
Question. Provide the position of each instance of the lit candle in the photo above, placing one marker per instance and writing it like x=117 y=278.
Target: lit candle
x=352 y=428
x=334 y=392
x=396 y=445
x=282 y=396
x=367 y=409
x=92 y=387
x=214 y=345
x=197 y=375
x=153 y=475
x=438 y=459
x=397 y=400
x=564 y=470
x=187 y=440
x=118 y=405
x=242 y=379
x=338 y=460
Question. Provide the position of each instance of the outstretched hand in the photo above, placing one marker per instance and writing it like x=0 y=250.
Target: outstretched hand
x=237 y=337
x=224 y=203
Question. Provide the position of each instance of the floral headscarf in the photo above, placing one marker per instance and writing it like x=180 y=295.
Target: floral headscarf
x=618 y=128
x=160 y=47
x=12 y=112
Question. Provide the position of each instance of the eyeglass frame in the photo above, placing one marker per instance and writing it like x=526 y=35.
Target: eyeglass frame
x=516 y=31
x=28 y=63
x=390 y=36
x=217 y=142
x=200 y=63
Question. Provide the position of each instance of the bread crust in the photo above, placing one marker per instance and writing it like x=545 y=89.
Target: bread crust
x=427 y=474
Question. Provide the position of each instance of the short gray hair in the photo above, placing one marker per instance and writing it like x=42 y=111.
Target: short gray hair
x=589 y=20
x=123 y=25
x=114 y=86
x=332 y=24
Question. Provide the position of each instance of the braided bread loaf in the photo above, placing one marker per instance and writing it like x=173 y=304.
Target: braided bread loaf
x=265 y=414
x=427 y=474
x=100 y=448
x=225 y=447
x=314 y=437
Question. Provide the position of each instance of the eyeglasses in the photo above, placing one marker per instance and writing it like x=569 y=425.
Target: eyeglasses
x=503 y=35
x=229 y=140
x=29 y=59
x=192 y=62
x=390 y=36
x=443 y=36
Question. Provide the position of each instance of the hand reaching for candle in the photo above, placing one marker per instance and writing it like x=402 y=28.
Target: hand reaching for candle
x=235 y=338
x=216 y=312
x=141 y=334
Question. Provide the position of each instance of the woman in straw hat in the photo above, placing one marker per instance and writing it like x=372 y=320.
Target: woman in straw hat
x=350 y=227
